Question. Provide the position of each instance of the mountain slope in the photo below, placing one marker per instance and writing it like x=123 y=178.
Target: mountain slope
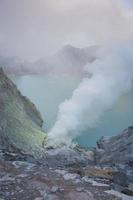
x=20 y=122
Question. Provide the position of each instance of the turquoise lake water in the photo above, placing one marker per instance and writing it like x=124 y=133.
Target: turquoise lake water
x=47 y=92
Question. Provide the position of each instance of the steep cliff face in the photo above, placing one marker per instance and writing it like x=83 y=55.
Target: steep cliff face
x=20 y=121
x=117 y=149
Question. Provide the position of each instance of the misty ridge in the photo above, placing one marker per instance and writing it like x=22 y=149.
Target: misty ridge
x=68 y=60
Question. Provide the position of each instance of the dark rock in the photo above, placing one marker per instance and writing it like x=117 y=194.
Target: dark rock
x=117 y=149
x=120 y=178
x=127 y=191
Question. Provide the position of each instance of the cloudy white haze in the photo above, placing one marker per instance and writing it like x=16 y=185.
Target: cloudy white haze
x=36 y=28
x=112 y=77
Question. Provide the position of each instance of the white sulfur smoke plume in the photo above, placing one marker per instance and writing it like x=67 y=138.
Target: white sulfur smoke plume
x=112 y=76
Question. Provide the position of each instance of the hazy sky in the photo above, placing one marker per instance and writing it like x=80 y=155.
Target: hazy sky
x=128 y=4
x=34 y=28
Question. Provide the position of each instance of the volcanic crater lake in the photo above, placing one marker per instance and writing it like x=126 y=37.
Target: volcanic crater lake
x=47 y=92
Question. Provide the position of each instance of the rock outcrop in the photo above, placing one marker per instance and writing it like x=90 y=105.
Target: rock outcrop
x=20 y=121
x=117 y=149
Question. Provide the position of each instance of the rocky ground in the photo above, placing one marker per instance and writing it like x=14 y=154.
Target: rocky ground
x=62 y=174
x=34 y=181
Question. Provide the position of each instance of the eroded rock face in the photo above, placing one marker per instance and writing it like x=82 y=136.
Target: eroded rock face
x=20 y=121
x=117 y=149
